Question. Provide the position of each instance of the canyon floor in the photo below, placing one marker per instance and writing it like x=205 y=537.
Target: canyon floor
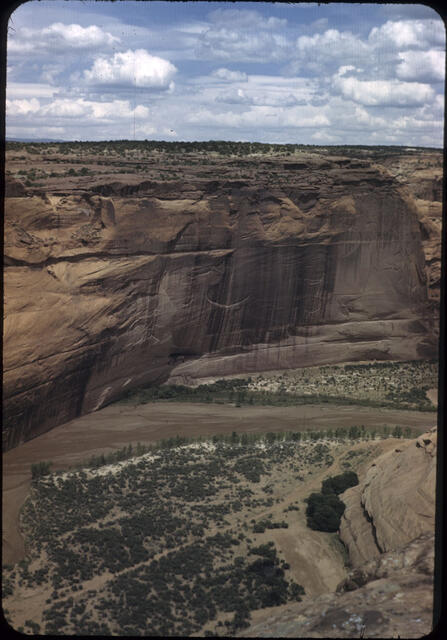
x=295 y=469
x=129 y=422
x=196 y=523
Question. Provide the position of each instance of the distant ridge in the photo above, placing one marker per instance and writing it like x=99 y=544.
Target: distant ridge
x=211 y=144
x=33 y=140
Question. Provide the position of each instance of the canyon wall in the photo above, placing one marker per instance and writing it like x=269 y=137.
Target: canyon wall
x=126 y=283
x=422 y=174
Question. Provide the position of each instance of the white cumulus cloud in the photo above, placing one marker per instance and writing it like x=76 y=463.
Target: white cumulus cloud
x=384 y=92
x=76 y=109
x=22 y=107
x=250 y=46
x=332 y=45
x=362 y=116
x=413 y=123
x=132 y=69
x=230 y=76
x=79 y=37
x=278 y=99
x=29 y=89
x=243 y=35
x=245 y=18
x=323 y=136
x=65 y=108
x=261 y=116
x=409 y=33
x=59 y=37
x=345 y=68
x=421 y=65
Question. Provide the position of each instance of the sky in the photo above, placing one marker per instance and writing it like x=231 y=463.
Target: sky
x=300 y=73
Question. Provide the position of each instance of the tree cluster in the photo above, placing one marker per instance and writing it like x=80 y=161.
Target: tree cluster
x=324 y=510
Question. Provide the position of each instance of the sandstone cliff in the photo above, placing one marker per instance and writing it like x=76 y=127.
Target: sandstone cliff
x=119 y=284
x=395 y=502
x=422 y=174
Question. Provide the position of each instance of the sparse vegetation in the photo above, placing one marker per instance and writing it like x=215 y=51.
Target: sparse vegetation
x=163 y=161
x=217 y=147
x=377 y=384
x=164 y=527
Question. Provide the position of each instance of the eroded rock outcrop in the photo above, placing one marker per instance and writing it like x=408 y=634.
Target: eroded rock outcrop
x=388 y=598
x=395 y=502
x=122 y=285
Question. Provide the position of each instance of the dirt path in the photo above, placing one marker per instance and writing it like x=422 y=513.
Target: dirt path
x=119 y=424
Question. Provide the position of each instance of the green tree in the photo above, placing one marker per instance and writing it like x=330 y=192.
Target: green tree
x=40 y=469
x=354 y=433
x=324 y=512
x=339 y=484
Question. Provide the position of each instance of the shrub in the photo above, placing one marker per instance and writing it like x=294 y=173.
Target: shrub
x=339 y=484
x=40 y=469
x=324 y=512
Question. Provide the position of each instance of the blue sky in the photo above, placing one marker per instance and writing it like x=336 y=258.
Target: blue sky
x=268 y=72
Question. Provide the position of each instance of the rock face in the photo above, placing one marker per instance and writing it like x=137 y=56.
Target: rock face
x=422 y=175
x=124 y=284
x=394 y=504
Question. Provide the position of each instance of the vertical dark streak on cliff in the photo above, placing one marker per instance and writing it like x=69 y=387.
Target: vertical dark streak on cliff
x=330 y=267
x=373 y=528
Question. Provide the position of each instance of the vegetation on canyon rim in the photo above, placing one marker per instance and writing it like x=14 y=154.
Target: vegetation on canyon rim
x=195 y=557
x=224 y=147
x=166 y=160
